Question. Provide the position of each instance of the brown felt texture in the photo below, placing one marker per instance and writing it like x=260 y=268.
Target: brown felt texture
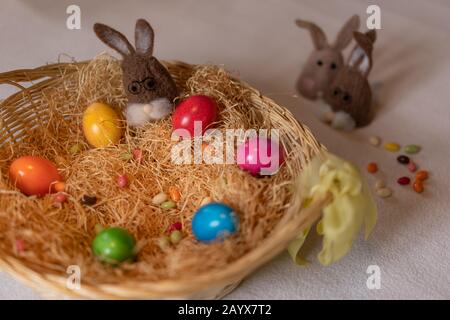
x=139 y=65
x=350 y=90
x=325 y=60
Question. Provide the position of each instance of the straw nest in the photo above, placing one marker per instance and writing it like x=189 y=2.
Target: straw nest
x=45 y=120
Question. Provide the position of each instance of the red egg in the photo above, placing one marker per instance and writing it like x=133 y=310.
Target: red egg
x=34 y=175
x=201 y=109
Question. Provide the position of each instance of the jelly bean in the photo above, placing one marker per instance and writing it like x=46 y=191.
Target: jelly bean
x=126 y=156
x=76 y=148
x=412 y=149
x=59 y=186
x=137 y=155
x=88 y=200
x=418 y=186
x=384 y=192
x=167 y=205
x=122 y=181
x=205 y=201
x=60 y=198
x=175 y=226
x=20 y=245
x=164 y=242
x=174 y=193
x=422 y=175
x=392 y=146
x=176 y=236
x=159 y=198
x=375 y=141
x=380 y=184
x=403 y=181
x=403 y=159
x=372 y=167
x=412 y=167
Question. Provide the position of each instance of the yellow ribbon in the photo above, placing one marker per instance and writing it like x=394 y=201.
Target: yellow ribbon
x=352 y=206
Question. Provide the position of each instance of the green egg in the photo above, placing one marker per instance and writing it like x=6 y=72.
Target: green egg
x=412 y=149
x=167 y=205
x=114 y=245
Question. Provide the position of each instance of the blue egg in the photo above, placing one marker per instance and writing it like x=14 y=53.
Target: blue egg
x=214 y=221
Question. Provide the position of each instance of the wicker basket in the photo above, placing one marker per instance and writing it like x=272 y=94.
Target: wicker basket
x=20 y=113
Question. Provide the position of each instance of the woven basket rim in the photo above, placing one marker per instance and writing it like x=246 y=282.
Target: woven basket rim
x=234 y=272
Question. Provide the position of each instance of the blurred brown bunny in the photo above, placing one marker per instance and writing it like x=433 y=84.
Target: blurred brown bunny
x=349 y=95
x=149 y=86
x=325 y=61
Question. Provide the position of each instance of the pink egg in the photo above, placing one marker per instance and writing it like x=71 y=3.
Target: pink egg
x=260 y=156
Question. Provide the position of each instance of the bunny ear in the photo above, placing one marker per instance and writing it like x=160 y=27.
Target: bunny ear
x=113 y=39
x=345 y=36
x=361 y=56
x=144 y=37
x=317 y=34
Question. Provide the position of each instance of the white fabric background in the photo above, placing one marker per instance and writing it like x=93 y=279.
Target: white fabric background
x=259 y=42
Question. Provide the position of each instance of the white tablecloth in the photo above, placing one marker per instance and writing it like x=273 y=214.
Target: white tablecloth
x=259 y=42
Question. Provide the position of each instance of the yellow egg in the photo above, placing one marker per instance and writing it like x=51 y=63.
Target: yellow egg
x=101 y=125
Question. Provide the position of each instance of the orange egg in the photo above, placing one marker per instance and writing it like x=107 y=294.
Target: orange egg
x=33 y=175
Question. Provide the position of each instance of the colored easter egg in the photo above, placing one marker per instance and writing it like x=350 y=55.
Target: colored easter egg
x=114 y=245
x=101 y=125
x=260 y=156
x=214 y=221
x=34 y=175
x=200 y=109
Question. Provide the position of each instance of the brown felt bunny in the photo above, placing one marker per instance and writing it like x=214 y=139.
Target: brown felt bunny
x=149 y=86
x=326 y=59
x=349 y=95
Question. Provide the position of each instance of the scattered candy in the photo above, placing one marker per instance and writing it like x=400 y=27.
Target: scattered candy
x=114 y=245
x=122 y=181
x=88 y=200
x=412 y=167
x=101 y=125
x=412 y=149
x=167 y=205
x=418 y=186
x=422 y=175
x=375 y=141
x=76 y=148
x=392 y=146
x=384 y=192
x=260 y=156
x=372 y=167
x=176 y=236
x=205 y=201
x=164 y=242
x=403 y=181
x=175 y=226
x=59 y=186
x=159 y=198
x=60 y=198
x=174 y=193
x=380 y=184
x=214 y=221
x=33 y=176
x=403 y=159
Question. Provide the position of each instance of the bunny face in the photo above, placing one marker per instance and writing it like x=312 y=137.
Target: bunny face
x=350 y=90
x=325 y=61
x=149 y=86
x=319 y=70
